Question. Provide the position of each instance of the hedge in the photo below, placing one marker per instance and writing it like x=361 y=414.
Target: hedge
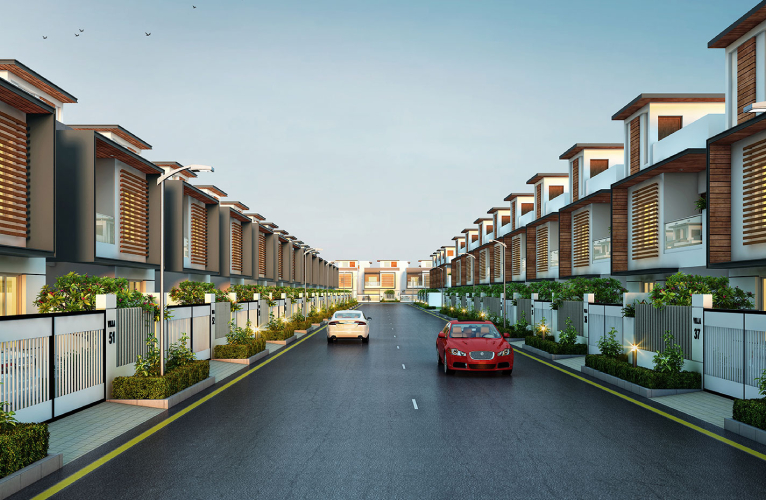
x=22 y=445
x=643 y=376
x=240 y=351
x=751 y=412
x=549 y=345
x=161 y=387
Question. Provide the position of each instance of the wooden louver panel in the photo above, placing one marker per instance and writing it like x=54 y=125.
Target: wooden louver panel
x=280 y=262
x=719 y=204
x=236 y=247
x=261 y=254
x=483 y=264
x=387 y=280
x=458 y=274
x=576 y=180
x=134 y=214
x=538 y=200
x=498 y=257
x=295 y=257
x=198 y=234
x=513 y=216
x=542 y=249
x=14 y=177
x=644 y=204
x=598 y=166
x=345 y=280
x=745 y=79
x=516 y=256
x=581 y=247
x=754 y=194
x=635 y=145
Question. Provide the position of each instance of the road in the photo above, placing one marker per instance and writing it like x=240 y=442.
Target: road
x=338 y=421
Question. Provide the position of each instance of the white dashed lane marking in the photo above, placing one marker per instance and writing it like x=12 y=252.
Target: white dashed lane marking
x=403 y=368
x=415 y=404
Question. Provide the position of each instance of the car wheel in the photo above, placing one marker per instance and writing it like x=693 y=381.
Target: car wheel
x=447 y=371
x=329 y=340
x=365 y=339
x=507 y=373
x=439 y=358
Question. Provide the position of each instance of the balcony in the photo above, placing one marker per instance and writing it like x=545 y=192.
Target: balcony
x=553 y=259
x=683 y=232
x=372 y=284
x=694 y=135
x=527 y=218
x=105 y=229
x=556 y=203
x=414 y=284
x=605 y=179
x=602 y=249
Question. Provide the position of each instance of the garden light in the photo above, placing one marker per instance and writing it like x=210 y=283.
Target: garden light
x=634 y=350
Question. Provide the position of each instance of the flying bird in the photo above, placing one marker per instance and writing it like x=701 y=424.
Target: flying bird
x=76 y=34
x=81 y=30
x=45 y=37
x=147 y=34
x=194 y=6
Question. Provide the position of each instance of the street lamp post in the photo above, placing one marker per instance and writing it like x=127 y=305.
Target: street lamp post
x=161 y=183
x=505 y=298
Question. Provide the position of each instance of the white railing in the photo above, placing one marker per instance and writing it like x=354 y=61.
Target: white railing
x=683 y=232
x=105 y=229
x=605 y=179
x=372 y=283
x=694 y=135
x=553 y=259
x=602 y=249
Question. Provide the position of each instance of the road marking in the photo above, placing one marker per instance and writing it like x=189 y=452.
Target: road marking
x=394 y=336
x=681 y=421
x=397 y=347
x=415 y=404
x=56 y=488
x=403 y=368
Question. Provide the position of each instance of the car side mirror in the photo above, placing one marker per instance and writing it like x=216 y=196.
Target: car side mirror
x=369 y=318
x=442 y=335
x=506 y=335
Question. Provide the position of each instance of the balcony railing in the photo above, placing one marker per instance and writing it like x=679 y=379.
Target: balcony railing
x=371 y=284
x=414 y=284
x=683 y=232
x=553 y=259
x=602 y=249
x=105 y=229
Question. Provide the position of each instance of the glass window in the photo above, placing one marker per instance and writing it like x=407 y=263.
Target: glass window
x=8 y=295
x=471 y=331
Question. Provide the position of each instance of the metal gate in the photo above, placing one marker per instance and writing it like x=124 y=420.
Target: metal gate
x=601 y=319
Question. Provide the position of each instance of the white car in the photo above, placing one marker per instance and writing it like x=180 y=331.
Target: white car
x=349 y=325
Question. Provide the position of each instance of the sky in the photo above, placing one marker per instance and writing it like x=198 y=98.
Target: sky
x=371 y=129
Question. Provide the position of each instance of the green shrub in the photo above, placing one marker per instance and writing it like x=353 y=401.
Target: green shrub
x=651 y=379
x=553 y=347
x=138 y=387
x=750 y=412
x=568 y=336
x=22 y=445
x=242 y=350
x=671 y=359
x=609 y=346
x=679 y=288
x=177 y=354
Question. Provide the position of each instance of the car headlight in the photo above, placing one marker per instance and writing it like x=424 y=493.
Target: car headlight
x=504 y=352
x=456 y=352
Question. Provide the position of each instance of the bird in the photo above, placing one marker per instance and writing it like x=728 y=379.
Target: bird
x=147 y=34
x=194 y=6
x=76 y=34
x=81 y=30
x=45 y=37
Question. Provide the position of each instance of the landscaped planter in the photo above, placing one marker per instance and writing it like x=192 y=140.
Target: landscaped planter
x=21 y=446
x=548 y=355
x=287 y=341
x=745 y=430
x=33 y=472
x=172 y=400
x=245 y=361
x=631 y=387
x=129 y=390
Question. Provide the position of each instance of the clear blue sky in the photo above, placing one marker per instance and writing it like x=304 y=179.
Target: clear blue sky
x=372 y=129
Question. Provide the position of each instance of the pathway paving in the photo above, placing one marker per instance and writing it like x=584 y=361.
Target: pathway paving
x=220 y=369
x=702 y=405
x=573 y=363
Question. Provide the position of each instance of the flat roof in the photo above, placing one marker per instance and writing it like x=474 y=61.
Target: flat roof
x=31 y=77
x=458 y=238
x=580 y=146
x=481 y=219
x=107 y=148
x=512 y=196
x=643 y=99
x=117 y=130
x=22 y=100
x=174 y=165
x=469 y=229
x=240 y=206
x=540 y=176
x=750 y=20
x=212 y=188
x=256 y=216
x=497 y=209
x=198 y=195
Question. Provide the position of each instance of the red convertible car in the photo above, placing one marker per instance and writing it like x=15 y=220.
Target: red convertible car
x=473 y=346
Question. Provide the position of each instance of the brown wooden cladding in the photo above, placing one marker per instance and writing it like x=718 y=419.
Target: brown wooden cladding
x=14 y=180
x=565 y=244
x=505 y=220
x=198 y=234
x=498 y=261
x=387 y=280
x=526 y=208
x=295 y=257
x=598 y=166
x=457 y=273
x=280 y=272
x=531 y=254
x=754 y=194
x=575 y=180
x=745 y=79
x=619 y=234
x=555 y=192
x=516 y=256
x=538 y=200
x=635 y=145
x=134 y=214
x=236 y=247
x=719 y=204
x=482 y=264
x=542 y=249
x=262 y=255
x=645 y=206
x=513 y=215
x=581 y=247
x=667 y=125
x=345 y=280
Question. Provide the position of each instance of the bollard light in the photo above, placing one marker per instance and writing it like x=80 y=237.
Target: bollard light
x=634 y=350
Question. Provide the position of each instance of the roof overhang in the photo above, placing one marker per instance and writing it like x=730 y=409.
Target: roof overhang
x=213 y=189
x=739 y=132
x=195 y=193
x=107 y=148
x=31 y=77
x=469 y=229
x=579 y=147
x=238 y=204
x=256 y=216
x=601 y=196
x=117 y=130
x=497 y=209
x=23 y=101
x=234 y=214
x=644 y=99
x=542 y=220
x=513 y=196
x=690 y=160
x=740 y=27
x=538 y=177
x=264 y=229
x=172 y=165
x=482 y=219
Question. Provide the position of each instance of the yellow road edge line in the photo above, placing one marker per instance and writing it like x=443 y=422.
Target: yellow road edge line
x=56 y=488
x=681 y=421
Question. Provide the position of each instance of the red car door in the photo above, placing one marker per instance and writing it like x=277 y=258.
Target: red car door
x=442 y=342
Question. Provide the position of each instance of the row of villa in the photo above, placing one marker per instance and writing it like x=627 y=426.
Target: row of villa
x=685 y=191
x=370 y=282
x=84 y=198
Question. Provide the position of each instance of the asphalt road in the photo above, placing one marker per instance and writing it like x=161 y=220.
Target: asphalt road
x=338 y=421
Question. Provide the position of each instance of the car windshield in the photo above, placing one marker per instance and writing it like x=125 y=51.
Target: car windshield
x=348 y=315
x=472 y=331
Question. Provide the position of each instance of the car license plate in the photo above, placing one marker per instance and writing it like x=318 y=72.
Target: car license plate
x=346 y=322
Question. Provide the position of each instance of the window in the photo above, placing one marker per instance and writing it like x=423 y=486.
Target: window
x=538 y=200
x=581 y=244
x=474 y=237
x=393 y=264
x=555 y=191
x=280 y=263
x=498 y=258
x=372 y=279
x=345 y=280
x=387 y=280
x=104 y=228
x=450 y=253
x=505 y=220
x=516 y=256
x=462 y=244
x=666 y=125
x=542 y=249
x=645 y=210
x=262 y=256
x=526 y=208
x=489 y=228
x=352 y=264
x=136 y=286
x=754 y=194
x=483 y=264
x=14 y=195
x=598 y=166
x=236 y=247
x=8 y=296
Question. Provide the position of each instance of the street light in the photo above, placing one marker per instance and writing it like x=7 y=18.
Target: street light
x=161 y=183
x=505 y=298
x=309 y=251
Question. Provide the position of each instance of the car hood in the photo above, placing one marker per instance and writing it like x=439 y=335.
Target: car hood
x=479 y=344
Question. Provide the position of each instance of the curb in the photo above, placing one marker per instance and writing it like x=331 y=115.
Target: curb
x=548 y=355
x=634 y=388
x=246 y=361
x=745 y=430
x=170 y=402
x=283 y=342
x=33 y=472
